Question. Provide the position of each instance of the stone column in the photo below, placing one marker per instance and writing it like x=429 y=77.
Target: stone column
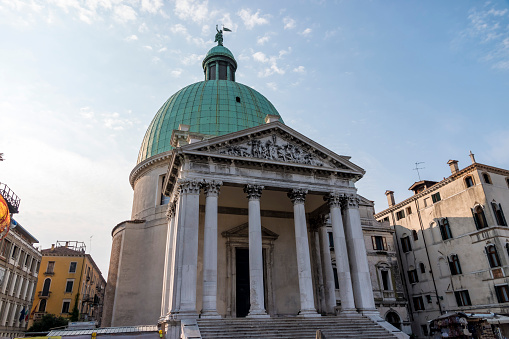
x=328 y=273
x=256 y=292
x=190 y=191
x=209 y=309
x=341 y=252
x=361 y=279
x=316 y=263
x=307 y=305
x=168 y=259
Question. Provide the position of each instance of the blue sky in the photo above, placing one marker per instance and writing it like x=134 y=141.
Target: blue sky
x=389 y=83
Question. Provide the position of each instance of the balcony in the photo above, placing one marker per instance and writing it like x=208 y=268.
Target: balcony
x=43 y=294
x=11 y=198
x=38 y=315
x=49 y=273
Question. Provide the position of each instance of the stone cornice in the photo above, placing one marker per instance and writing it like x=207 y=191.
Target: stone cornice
x=135 y=221
x=143 y=166
x=440 y=184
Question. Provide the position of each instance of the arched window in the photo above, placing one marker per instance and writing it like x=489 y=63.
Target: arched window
x=479 y=217
x=469 y=182
x=492 y=254
x=486 y=178
x=445 y=229
x=393 y=319
x=42 y=305
x=45 y=288
x=499 y=214
x=454 y=264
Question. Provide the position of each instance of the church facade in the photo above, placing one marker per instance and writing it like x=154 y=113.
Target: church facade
x=228 y=203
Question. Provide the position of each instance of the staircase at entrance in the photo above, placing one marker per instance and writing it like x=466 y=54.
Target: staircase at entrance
x=354 y=326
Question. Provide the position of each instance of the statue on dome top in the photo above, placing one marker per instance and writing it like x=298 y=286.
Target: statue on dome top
x=219 y=35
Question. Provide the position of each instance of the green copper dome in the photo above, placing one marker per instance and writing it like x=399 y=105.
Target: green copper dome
x=209 y=107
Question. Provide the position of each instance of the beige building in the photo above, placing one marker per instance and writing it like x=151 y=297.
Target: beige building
x=453 y=243
x=19 y=267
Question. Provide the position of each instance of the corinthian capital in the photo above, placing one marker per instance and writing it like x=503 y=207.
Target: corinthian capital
x=334 y=199
x=189 y=186
x=253 y=191
x=297 y=196
x=212 y=187
x=351 y=201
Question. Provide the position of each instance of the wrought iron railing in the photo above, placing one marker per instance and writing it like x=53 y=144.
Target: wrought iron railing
x=10 y=197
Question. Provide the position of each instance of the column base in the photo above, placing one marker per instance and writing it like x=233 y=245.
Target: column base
x=309 y=313
x=258 y=314
x=210 y=315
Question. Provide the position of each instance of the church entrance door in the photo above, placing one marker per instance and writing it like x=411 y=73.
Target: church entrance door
x=242 y=283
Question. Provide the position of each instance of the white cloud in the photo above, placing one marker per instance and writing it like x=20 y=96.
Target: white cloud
x=194 y=10
x=86 y=113
x=300 y=69
x=151 y=6
x=115 y=122
x=289 y=23
x=176 y=73
x=260 y=57
x=143 y=28
x=306 y=32
x=182 y=30
x=162 y=49
x=124 y=13
x=272 y=66
x=192 y=59
x=205 y=30
x=251 y=20
x=261 y=40
x=131 y=38
x=272 y=86
x=148 y=47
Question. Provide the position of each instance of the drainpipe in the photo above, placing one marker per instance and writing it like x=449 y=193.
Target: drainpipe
x=427 y=255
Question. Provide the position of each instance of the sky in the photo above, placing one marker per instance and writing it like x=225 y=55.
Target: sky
x=389 y=83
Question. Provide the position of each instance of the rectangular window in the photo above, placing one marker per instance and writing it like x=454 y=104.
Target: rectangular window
x=65 y=306
x=164 y=199
x=385 y=280
x=331 y=241
x=14 y=252
x=379 y=243
x=405 y=244
x=5 y=247
x=72 y=267
x=336 y=280
x=51 y=267
x=454 y=265
x=400 y=214
x=428 y=298
x=418 y=303
x=502 y=293
x=426 y=202
x=408 y=210
x=413 y=277
x=436 y=197
x=2 y=275
x=27 y=260
x=445 y=229
x=462 y=298
x=69 y=285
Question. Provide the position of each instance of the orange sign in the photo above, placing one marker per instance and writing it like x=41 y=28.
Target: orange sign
x=5 y=217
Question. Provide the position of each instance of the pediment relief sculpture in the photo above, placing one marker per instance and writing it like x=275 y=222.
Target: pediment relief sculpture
x=273 y=148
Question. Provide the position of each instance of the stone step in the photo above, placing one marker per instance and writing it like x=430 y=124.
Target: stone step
x=355 y=326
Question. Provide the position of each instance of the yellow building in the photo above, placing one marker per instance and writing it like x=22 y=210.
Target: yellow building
x=68 y=275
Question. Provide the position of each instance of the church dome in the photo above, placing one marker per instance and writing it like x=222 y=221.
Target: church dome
x=216 y=106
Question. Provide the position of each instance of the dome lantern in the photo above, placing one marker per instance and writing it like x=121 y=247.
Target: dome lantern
x=219 y=63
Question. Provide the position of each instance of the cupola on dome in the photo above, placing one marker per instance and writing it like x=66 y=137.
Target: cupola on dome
x=217 y=106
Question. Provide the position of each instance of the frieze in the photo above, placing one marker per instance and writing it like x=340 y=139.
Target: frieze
x=272 y=148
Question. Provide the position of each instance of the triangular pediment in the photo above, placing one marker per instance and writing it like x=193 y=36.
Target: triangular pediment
x=273 y=143
x=242 y=231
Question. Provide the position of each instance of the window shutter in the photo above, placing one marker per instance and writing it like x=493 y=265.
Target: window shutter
x=502 y=214
x=475 y=219
x=459 y=265
x=449 y=232
x=451 y=266
x=373 y=241
x=467 y=295
x=494 y=208
x=385 y=244
x=458 y=298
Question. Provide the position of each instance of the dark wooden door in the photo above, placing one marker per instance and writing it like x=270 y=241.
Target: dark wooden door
x=242 y=283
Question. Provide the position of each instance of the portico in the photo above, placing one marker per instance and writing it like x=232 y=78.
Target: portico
x=257 y=190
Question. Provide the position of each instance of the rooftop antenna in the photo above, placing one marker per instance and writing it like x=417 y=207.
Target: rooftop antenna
x=90 y=251
x=417 y=168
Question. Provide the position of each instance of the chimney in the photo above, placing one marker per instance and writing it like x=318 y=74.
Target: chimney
x=271 y=118
x=52 y=247
x=472 y=157
x=390 y=198
x=453 y=164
